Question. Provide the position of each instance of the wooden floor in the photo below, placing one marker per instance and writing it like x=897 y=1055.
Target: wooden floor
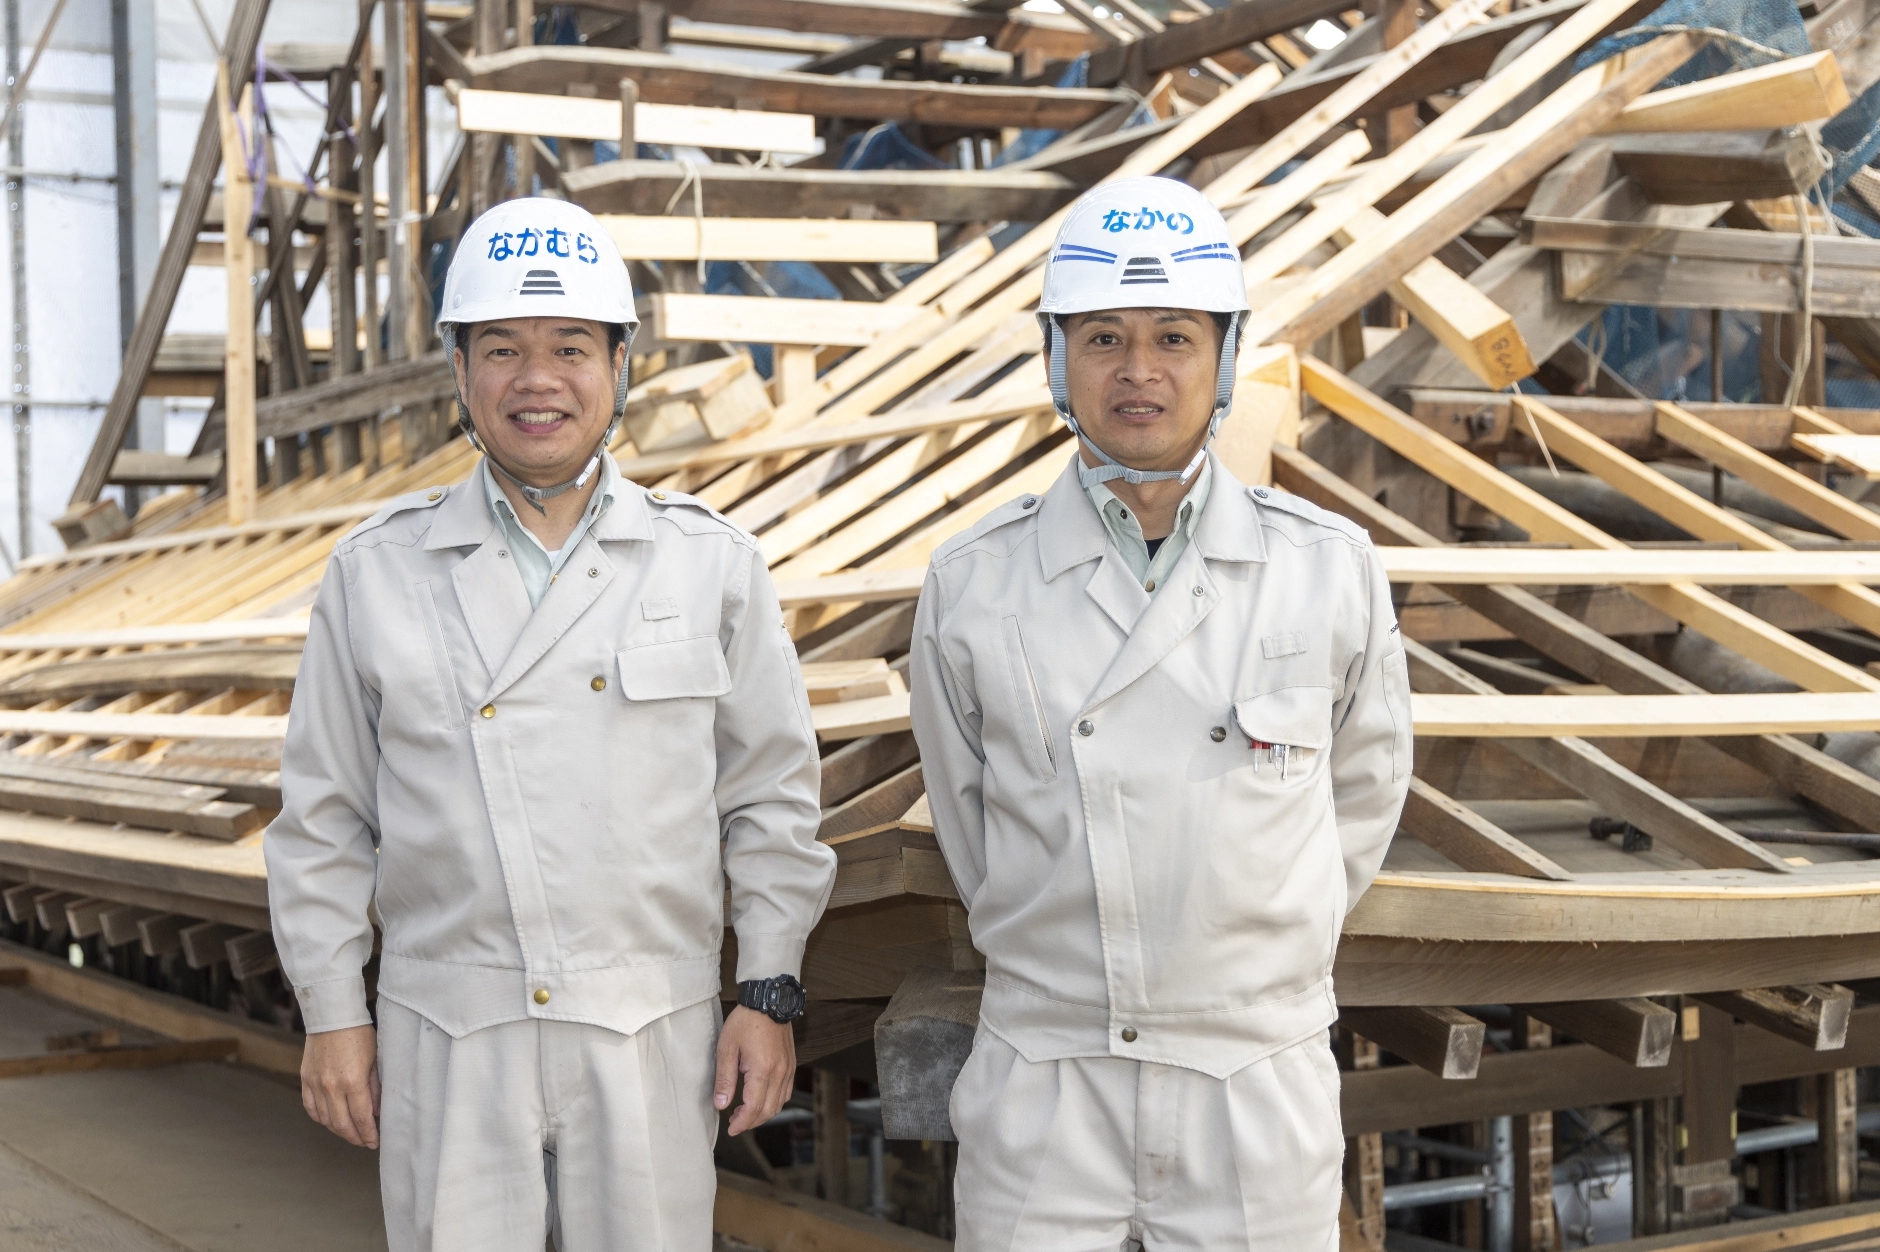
x=186 y=1158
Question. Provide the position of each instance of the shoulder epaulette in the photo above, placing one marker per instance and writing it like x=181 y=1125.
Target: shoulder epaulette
x=1299 y=506
x=423 y=498
x=1014 y=510
x=692 y=515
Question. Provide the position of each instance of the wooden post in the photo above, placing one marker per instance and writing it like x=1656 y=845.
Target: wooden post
x=1836 y=1106
x=1364 y=1164
x=342 y=258
x=831 y=1098
x=486 y=150
x=238 y=357
x=404 y=120
x=1703 y=1187
x=1654 y=1146
x=370 y=240
x=629 y=105
x=1535 y=1228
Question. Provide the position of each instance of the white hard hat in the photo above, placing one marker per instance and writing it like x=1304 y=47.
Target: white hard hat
x=537 y=257
x=1142 y=243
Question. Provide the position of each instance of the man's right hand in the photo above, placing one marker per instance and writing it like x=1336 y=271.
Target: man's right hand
x=339 y=1083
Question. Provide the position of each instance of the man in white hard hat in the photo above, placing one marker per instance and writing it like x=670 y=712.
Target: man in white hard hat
x=543 y=718
x=1164 y=723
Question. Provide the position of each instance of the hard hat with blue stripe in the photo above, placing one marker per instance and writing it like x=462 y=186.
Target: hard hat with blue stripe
x=1142 y=243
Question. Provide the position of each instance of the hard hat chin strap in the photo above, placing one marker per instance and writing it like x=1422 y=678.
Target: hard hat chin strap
x=1112 y=469
x=535 y=495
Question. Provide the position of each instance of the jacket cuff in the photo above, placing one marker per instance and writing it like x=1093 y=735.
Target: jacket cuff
x=767 y=956
x=335 y=1005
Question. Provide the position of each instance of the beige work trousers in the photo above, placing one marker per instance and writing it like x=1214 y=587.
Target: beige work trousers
x=533 y=1130
x=1103 y=1154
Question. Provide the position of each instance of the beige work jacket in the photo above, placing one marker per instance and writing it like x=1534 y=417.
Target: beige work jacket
x=1144 y=875
x=543 y=807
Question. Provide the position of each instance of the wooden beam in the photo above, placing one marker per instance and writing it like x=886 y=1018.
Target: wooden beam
x=1481 y=333
x=266 y=1047
x=1599 y=778
x=1594 y=717
x=1638 y=1031
x=667 y=79
x=1814 y=1015
x=690 y=318
x=646 y=187
x=148 y=1056
x=1710 y=615
x=1804 y=495
x=141 y=725
x=1460 y=197
x=771 y=239
x=1802 y=89
x=1445 y=1041
x=1469 y=839
x=1183 y=43
x=238 y=361
x=1794 y=764
x=1687 y=509
x=779 y=1219
x=577 y=117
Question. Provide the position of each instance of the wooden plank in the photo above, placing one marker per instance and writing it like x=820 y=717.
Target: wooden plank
x=1638 y=1031
x=337 y=515
x=1710 y=615
x=779 y=1219
x=770 y=239
x=1860 y=453
x=646 y=187
x=254 y=668
x=141 y=725
x=1594 y=717
x=578 y=117
x=1444 y=1041
x=691 y=318
x=1814 y=1015
x=141 y=636
x=917 y=19
x=1469 y=839
x=1793 y=92
x=149 y=1056
x=666 y=79
x=87 y=795
x=1770 y=1234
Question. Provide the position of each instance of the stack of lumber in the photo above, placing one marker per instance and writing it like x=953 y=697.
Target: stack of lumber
x=1429 y=214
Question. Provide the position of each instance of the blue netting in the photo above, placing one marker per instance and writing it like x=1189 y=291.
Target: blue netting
x=886 y=147
x=1031 y=141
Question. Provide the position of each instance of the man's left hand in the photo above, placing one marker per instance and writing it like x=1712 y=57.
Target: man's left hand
x=764 y=1053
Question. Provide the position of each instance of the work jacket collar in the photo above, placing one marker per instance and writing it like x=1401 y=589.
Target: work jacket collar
x=1070 y=532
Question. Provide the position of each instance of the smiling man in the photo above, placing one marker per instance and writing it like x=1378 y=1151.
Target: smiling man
x=543 y=719
x=1164 y=723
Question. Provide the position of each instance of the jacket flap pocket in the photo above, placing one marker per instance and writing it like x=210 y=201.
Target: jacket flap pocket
x=1299 y=717
x=676 y=670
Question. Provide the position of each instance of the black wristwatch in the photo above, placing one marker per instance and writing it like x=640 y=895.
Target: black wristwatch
x=781 y=998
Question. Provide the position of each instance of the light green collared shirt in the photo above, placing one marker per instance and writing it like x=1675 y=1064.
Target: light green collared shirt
x=1126 y=530
x=537 y=565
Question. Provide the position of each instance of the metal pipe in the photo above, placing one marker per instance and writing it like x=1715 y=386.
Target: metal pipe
x=1415 y=1195
x=878 y=1173
x=1437 y=1148
x=1501 y=1198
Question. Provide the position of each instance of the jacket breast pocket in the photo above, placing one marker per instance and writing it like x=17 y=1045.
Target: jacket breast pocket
x=1292 y=724
x=1029 y=722
x=679 y=669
